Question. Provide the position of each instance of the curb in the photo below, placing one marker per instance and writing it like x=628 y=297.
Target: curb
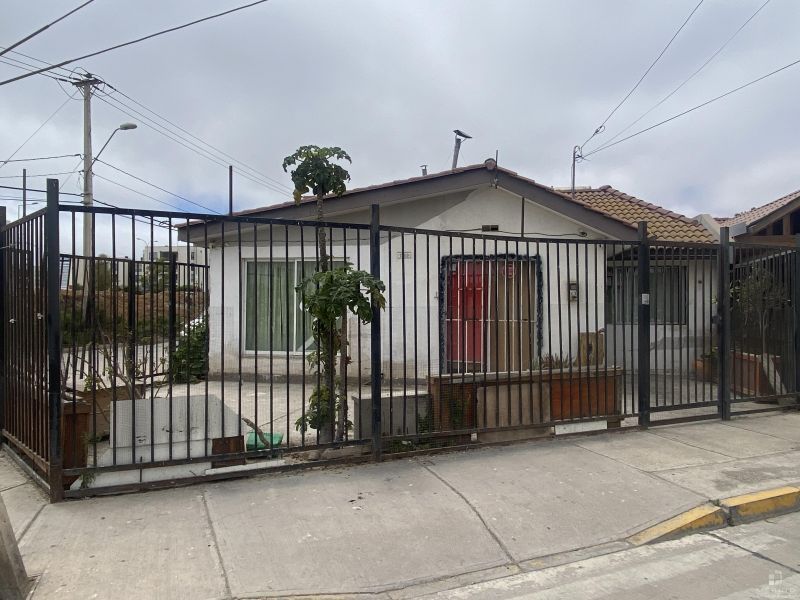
x=722 y=513
x=759 y=505
x=702 y=518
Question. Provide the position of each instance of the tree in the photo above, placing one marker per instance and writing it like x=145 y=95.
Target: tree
x=328 y=296
x=759 y=295
x=314 y=171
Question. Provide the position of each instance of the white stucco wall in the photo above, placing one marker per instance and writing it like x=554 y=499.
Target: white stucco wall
x=563 y=319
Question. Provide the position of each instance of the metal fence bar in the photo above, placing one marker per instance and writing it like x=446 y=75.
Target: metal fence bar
x=724 y=325
x=53 y=324
x=375 y=333
x=643 y=288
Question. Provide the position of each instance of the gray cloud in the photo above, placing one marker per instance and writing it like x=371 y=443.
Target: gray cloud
x=388 y=81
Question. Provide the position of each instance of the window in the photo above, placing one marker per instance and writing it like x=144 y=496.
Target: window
x=669 y=295
x=274 y=316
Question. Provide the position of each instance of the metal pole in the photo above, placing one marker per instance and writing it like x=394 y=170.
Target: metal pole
x=24 y=192
x=375 y=333
x=643 y=368
x=53 y=324
x=3 y=320
x=575 y=151
x=724 y=325
x=87 y=86
x=456 y=150
x=230 y=189
x=795 y=279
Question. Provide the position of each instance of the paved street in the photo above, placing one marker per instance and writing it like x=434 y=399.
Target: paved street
x=759 y=560
x=424 y=525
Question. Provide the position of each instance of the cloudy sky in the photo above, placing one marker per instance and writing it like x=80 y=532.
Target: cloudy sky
x=389 y=81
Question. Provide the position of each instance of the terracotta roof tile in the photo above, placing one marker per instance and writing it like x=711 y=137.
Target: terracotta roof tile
x=755 y=214
x=662 y=224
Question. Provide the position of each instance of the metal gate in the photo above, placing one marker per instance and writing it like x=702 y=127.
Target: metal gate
x=125 y=369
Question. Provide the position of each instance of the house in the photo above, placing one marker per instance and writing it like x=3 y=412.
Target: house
x=190 y=262
x=774 y=223
x=486 y=270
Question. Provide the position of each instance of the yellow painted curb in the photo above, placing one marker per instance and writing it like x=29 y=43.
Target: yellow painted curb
x=702 y=518
x=750 y=507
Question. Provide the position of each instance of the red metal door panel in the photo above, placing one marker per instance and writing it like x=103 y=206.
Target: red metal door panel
x=465 y=315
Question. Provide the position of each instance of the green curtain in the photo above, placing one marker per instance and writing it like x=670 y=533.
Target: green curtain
x=270 y=292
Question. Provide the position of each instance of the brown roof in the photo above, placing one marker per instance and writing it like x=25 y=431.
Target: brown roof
x=662 y=224
x=756 y=214
x=443 y=174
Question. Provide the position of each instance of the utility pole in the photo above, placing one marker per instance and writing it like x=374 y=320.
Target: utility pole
x=24 y=192
x=87 y=87
x=576 y=154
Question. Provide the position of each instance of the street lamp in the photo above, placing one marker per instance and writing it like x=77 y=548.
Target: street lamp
x=88 y=163
x=123 y=127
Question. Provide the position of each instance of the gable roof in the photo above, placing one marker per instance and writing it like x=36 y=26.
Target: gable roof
x=462 y=178
x=662 y=224
x=758 y=213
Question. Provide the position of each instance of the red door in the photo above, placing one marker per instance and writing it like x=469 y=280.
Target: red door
x=466 y=316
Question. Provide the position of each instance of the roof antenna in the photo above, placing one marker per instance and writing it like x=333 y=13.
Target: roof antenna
x=460 y=137
x=424 y=170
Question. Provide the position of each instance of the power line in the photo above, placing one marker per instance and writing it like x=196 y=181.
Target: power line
x=653 y=64
x=188 y=144
x=16 y=160
x=38 y=129
x=130 y=189
x=225 y=154
x=61 y=72
x=694 y=108
x=31 y=176
x=151 y=184
x=41 y=29
x=135 y=41
x=692 y=76
x=13 y=187
x=20 y=66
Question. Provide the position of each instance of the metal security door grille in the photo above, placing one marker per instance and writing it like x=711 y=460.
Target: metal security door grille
x=466 y=319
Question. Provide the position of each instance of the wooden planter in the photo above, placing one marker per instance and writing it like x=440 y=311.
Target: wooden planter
x=706 y=368
x=584 y=393
x=500 y=400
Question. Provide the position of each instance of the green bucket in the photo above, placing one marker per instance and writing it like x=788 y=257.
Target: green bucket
x=254 y=442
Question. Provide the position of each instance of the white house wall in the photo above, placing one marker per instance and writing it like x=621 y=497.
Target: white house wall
x=451 y=213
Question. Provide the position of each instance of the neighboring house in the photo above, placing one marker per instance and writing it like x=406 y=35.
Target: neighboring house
x=777 y=222
x=683 y=282
x=568 y=273
x=190 y=262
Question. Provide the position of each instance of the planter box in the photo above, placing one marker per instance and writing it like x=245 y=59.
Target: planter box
x=400 y=414
x=101 y=400
x=585 y=393
x=486 y=401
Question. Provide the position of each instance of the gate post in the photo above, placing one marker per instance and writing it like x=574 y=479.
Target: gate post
x=795 y=287
x=375 y=333
x=724 y=325
x=643 y=363
x=53 y=323
x=2 y=321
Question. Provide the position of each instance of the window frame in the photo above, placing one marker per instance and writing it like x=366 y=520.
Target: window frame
x=630 y=314
x=297 y=329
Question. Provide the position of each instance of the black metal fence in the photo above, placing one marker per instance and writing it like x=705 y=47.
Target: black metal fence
x=124 y=369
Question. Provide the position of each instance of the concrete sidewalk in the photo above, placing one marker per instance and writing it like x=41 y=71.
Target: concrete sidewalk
x=398 y=529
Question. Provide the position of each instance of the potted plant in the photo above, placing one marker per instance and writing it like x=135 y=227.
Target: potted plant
x=706 y=365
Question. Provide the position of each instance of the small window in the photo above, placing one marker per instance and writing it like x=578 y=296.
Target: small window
x=274 y=316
